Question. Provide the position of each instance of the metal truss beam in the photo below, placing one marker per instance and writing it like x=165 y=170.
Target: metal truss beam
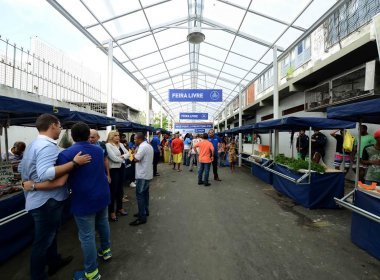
x=247 y=57
x=238 y=33
x=125 y=14
x=262 y=15
x=149 y=30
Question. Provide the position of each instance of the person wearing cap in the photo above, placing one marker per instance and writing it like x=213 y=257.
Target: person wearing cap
x=371 y=158
x=156 y=148
x=366 y=139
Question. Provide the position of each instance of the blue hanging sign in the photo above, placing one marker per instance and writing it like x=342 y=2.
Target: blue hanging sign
x=193 y=116
x=195 y=95
x=193 y=126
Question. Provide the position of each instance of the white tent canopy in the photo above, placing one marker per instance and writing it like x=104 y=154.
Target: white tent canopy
x=150 y=41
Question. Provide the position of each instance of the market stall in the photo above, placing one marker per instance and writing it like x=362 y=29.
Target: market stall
x=14 y=219
x=305 y=186
x=365 y=203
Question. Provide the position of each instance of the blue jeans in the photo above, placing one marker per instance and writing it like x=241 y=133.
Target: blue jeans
x=206 y=168
x=87 y=225
x=142 y=196
x=186 y=159
x=47 y=220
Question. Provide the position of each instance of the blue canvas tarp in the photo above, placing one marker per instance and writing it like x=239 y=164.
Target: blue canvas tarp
x=91 y=119
x=14 y=111
x=367 y=111
x=319 y=193
x=365 y=232
x=297 y=123
x=128 y=126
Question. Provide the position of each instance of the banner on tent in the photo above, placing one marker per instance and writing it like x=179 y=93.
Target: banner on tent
x=193 y=116
x=195 y=95
x=192 y=127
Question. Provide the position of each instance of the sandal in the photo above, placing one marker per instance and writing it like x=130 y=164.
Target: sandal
x=113 y=218
x=122 y=212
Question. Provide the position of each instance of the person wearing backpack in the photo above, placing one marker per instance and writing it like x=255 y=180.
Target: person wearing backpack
x=341 y=154
x=318 y=145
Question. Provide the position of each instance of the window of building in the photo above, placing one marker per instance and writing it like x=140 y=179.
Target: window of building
x=293 y=110
x=267 y=117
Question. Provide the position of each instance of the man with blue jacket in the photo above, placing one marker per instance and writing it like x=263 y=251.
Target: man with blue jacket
x=215 y=140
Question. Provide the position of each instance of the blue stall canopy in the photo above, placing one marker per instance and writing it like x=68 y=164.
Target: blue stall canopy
x=365 y=111
x=129 y=126
x=245 y=128
x=14 y=111
x=91 y=119
x=298 y=123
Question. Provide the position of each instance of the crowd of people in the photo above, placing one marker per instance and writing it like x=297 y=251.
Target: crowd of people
x=369 y=154
x=91 y=176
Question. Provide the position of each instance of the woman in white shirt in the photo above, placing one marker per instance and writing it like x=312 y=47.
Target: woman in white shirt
x=117 y=154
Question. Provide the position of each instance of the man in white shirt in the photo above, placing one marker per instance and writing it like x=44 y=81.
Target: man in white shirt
x=144 y=174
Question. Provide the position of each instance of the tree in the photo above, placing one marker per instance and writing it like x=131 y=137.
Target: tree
x=157 y=123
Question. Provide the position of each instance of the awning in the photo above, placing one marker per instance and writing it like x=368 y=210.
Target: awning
x=14 y=111
x=129 y=126
x=366 y=111
x=91 y=120
x=298 y=123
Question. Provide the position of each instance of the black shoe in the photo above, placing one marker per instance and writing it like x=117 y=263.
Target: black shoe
x=207 y=184
x=137 y=222
x=156 y=175
x=62 y=263
x=137 y=215
x=200 y=183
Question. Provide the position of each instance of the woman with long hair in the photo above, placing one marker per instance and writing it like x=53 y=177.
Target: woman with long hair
x=117 y=154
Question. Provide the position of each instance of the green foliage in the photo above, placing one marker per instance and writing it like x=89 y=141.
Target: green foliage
x=297 y=164
x=157 y=122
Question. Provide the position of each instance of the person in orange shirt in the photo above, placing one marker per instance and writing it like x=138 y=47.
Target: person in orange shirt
x=177 y=150
x=206 y=156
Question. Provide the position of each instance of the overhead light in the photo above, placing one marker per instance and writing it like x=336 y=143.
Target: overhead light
x=196 y=36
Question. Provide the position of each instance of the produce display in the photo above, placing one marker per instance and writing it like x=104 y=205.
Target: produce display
x=299 y=164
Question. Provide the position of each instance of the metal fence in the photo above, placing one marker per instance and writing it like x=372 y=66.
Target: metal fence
x=21 y=69
x=349 y=18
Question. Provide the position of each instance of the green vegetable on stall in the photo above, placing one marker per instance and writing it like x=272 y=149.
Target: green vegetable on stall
x=297 y=164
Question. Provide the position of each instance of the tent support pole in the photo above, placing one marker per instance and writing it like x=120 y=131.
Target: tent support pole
x=109 y=82
x=309 y=153
x=358 y=154
x=6 y=142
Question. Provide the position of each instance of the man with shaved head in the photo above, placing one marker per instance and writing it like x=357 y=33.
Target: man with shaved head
x=94 y=139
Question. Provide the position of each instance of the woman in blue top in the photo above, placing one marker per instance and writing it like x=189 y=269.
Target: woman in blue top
x=186 y=150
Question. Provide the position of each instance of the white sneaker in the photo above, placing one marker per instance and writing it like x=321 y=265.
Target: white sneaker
x=132 y=185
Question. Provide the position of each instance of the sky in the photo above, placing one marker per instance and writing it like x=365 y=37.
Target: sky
x=22 y=19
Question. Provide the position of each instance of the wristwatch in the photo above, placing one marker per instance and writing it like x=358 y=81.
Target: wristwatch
x=33 y=188
x=75 y=163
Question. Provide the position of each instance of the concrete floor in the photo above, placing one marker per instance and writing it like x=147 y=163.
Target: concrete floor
x=239 y=228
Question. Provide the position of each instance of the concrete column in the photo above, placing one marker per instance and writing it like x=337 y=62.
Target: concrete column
x=276 y=108
x=240 y=123
x=161 y=116
x=225 y=119
x=109 y=81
